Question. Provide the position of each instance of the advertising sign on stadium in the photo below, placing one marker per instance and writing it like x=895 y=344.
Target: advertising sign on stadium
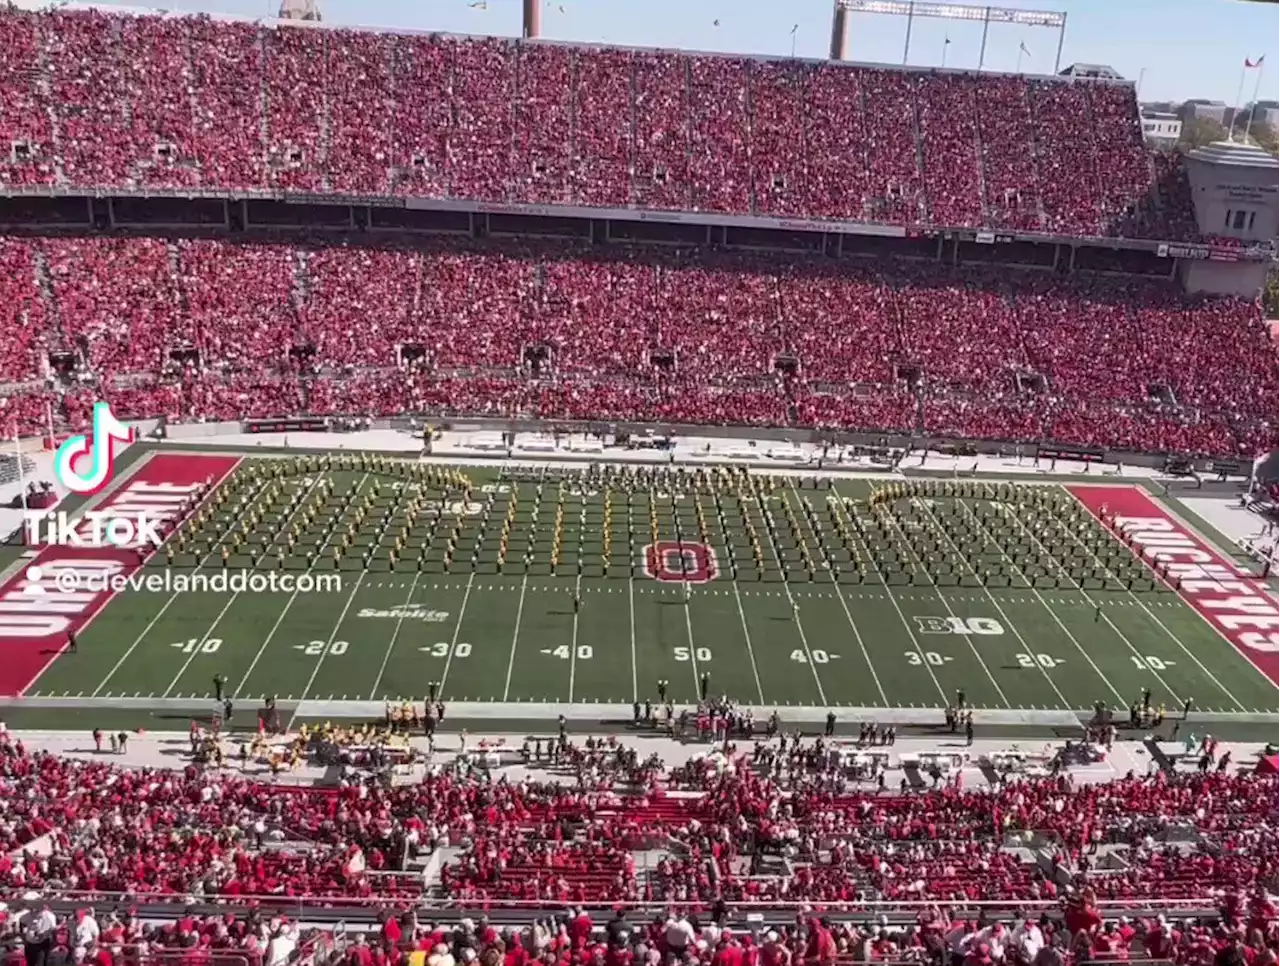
x=301 y=425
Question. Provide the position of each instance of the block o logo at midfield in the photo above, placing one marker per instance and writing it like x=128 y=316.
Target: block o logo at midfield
x=692 y=563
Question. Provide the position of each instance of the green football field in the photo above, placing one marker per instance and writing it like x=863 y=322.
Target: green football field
x=819 y=598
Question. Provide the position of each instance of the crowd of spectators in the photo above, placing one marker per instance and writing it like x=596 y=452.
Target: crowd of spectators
x=1243 y=934
x=31 y=934
x=102 y=100
x=203 y=329
x=728 y=832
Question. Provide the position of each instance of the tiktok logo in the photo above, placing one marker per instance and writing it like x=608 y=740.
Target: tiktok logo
x=106 y=431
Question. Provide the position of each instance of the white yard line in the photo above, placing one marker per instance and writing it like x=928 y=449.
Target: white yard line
x=901 y=616
x=1161 y=624
x=248 y=504
x=844 y=604
x=284 y=611
x=795 y=610
x=573 y=645
x=515 y=638
x=631 y=606
x=1026 y=648
x=457 y=630
x=327 y=647
x=906 y=543
x=1226 y=557
x=395 y=635
x=222 y=613
x=1052 y=613
x=1092 y=603
x=199 y=641
x=23 y=562
x=742 y=615
x=687 y=604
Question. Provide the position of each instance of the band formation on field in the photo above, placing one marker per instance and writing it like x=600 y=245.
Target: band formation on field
x=571 y=585
x=672 y=525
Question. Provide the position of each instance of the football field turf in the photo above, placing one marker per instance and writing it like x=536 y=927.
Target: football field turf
x=819 y=597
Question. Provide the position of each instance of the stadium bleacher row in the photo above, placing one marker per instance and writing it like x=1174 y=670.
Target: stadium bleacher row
x=90 y=828
x=217 y=329
x=91 y=100
x=97 y=937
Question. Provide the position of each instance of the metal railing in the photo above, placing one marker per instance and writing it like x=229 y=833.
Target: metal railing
x=344 y=906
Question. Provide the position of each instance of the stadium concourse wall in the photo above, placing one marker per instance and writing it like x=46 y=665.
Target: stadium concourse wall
x=413 y=424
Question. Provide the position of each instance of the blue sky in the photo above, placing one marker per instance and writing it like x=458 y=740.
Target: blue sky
x=1181 y=48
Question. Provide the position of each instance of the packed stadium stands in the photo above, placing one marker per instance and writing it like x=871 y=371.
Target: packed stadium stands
x=91 y=828
x=209 y=328
x=575 y=938
x=220 y=329
x=165 y=102
x=216 y=324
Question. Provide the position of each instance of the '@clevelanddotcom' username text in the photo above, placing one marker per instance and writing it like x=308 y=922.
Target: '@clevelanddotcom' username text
x=72 y=579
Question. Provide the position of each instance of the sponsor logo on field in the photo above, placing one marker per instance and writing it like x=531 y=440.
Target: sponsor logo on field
x=405 y=613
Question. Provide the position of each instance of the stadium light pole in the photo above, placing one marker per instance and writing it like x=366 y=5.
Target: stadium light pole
x=906 y=45
x=970 y=13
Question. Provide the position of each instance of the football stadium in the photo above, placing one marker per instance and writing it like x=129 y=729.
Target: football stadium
x=559 y=586
x=479 y=499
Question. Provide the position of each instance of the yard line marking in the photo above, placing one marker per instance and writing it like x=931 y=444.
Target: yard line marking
x=840 y=594
x=245 y=507
x=1174 y=637
x=1084 y=654
x=515 y=636
x=453 y=644
x=284 y=611
x=795 y=610
x=631 y=608
x=1080 y=587
x=196 y=650
x=693 y=650
x=742 y=616
x=573 y=644
x=945 y=603
x=1027 y=649
x=221 y=614
x=395 y=635
x=328 y=644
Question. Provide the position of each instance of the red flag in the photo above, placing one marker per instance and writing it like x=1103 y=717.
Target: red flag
x=1250 y=64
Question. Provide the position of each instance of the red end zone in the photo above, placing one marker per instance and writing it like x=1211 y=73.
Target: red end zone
x=34 y=627
x=1232 y=602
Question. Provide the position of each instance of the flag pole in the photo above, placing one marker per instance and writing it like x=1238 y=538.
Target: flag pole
x=906 y=45
x=22 y=476
x=1235 y=105
x=1248 y=124
x=986 y=25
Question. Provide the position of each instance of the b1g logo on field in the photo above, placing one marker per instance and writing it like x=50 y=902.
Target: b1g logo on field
x=691 y=563
x=986 y=626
